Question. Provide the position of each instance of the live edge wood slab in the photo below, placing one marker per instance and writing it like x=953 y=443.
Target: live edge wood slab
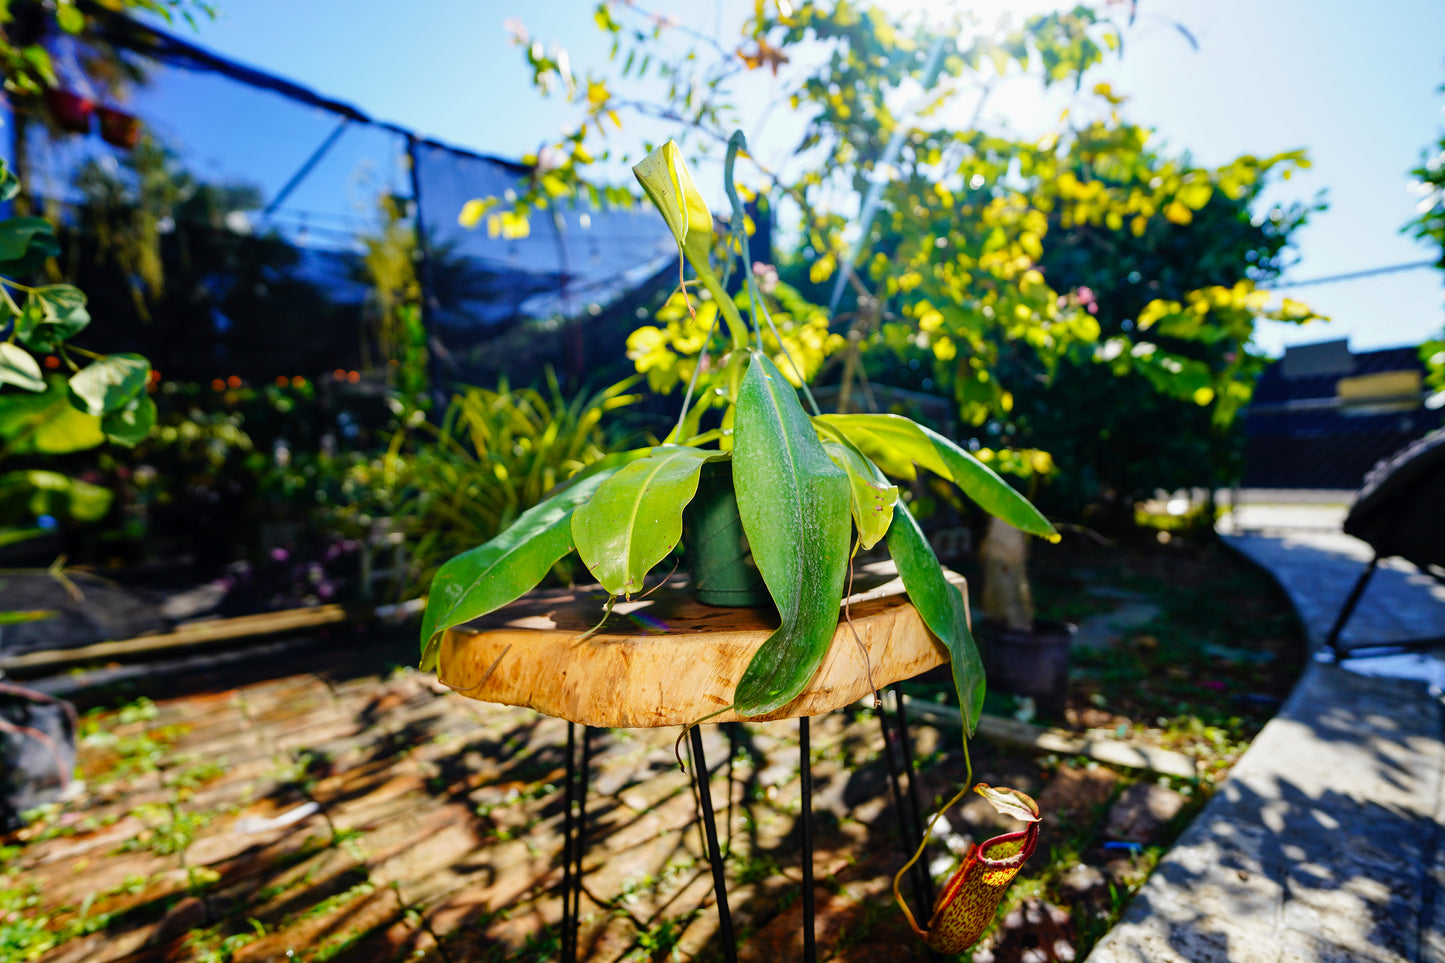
x=667 y=660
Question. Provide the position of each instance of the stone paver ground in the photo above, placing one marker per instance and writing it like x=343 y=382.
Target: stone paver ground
x=379 y=818
x=342 y=812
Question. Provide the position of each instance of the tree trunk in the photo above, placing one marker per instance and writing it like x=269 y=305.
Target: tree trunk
x=1007 y=599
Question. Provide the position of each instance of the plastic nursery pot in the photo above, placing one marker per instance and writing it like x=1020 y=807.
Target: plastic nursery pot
x=715 y=548
x=70 y=111
x=118 y=128
x=1030 y=663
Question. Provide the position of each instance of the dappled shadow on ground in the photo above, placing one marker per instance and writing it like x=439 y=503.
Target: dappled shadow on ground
x=338 y=814
x=317 y=801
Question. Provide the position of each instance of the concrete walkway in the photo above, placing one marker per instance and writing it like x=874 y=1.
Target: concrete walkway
x=1325 y=844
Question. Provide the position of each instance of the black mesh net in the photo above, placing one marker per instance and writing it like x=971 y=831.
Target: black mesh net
x=227 y=233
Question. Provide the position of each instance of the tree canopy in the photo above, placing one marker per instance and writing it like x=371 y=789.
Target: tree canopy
x=1000 y=264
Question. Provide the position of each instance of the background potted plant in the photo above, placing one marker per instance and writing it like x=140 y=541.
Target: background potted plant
x=1024 y=655
x=810 y=491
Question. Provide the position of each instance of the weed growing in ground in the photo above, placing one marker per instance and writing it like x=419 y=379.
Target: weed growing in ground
x=658 y=942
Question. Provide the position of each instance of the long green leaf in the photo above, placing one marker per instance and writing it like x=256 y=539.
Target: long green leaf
x=893 y=434
x=635 y=518
x=504 y=569
x=942 y=607
x=794 y=504
x=872 y=497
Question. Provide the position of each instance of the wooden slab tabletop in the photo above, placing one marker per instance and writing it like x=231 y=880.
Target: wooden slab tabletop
x=668 y=660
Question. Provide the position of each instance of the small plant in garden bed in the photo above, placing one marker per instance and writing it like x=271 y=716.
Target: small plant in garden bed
x=802 y=486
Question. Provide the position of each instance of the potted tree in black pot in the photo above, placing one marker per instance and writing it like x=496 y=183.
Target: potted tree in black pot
x=1023 y=655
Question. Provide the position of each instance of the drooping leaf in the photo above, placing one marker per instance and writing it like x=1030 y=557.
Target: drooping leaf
x=19 y=368
x=794 y=504
x=942 y=608
x=54 y=313
x=46 y=423
x=502 y=570
x=664 y=176
x=109 y=383
x=872 y=497
x=130 y=425
x=635 y=518
x=892 y=435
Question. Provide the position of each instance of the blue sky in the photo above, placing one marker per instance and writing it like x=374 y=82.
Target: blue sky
x=1355 y=84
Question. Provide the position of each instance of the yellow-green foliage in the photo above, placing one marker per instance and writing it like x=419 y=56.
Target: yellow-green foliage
x=667 y=352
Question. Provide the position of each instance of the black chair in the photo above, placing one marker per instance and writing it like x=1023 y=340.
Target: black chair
x=1400 y=513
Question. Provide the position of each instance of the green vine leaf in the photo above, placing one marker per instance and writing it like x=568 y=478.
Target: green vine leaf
x=18 y=234
x=942 y=607
x=46 y=423
x=635 y=518
x=504 y=569
x=130 y=425
x=18 y=368
x=51 y=493
x=53 y=314
x=9 y=183
x=108 y=384
x=794 y=504
x=882 y=437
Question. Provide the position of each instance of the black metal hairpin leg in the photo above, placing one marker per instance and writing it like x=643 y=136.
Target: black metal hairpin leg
x=911 y=829
x=569 y=787
x=909 y=835
x=581 y=847
x=1333 y=639
x=805 y=766
x=914 y=808
x=574 y=836
x=731 y=730
x=714 y=852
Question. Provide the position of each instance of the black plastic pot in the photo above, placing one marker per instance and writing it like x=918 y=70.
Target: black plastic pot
x=715 y=548
x=1032 y=663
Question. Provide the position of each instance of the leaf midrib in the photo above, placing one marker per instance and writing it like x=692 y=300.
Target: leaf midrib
x=636 y=510
x=542 y=529
x=793 y=466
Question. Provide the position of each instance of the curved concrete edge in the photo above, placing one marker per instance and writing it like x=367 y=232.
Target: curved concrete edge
x=1324 y=844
